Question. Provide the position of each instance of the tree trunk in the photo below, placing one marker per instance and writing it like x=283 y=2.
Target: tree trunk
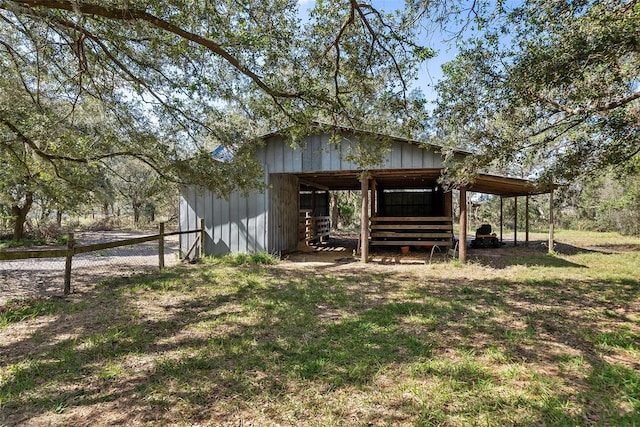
x=19 y=214
x=59 y=218
x=136 y=214
x=334 y=211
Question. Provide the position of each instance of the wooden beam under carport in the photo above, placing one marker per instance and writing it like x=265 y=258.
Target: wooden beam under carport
x=462 y=232
x=364 y=217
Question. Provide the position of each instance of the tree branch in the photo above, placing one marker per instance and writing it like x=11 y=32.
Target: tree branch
x=129 y=14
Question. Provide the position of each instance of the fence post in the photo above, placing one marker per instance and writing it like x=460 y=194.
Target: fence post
x=67 y=266
x=161 y=246
x=201 y=237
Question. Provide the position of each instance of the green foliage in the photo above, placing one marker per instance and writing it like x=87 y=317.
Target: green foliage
x=234 y=260
x=162 y=83
x=610 y=202
x=20 y=311
x=549 y=86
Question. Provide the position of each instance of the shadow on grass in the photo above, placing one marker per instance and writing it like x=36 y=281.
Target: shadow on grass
x=200 y=344
x=535 y=254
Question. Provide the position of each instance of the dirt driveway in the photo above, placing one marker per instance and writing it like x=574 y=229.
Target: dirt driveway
x=44 y=277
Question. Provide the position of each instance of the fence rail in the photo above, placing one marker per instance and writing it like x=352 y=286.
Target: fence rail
x=71 y=250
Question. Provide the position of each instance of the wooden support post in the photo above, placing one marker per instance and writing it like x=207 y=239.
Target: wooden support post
x=67 y=266
x=526 y=221
x=364 y=218
x=515 y=221
x=201 y=253
x=161 y=246
x=462 y=244
x=551 y=242
x=501 y=218
x=374 y=210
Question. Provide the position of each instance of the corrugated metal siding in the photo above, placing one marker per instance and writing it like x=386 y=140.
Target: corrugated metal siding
x=234 y=225
x=318 y=155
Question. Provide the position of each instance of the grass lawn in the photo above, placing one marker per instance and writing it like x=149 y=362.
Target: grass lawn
x=523 y=339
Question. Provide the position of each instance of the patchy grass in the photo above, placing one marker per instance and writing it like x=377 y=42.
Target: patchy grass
x=531 y=339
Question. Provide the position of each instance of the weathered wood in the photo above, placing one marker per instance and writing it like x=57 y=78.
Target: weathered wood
x=202 y=236
x=551 y=225
x=32 y=253
x=364 y=218
x=412 y=231
x=67 y=265
x=501 y=218
x=61 y=253
x=412 y=218
x=526 y=222
x=515 y=221
x=401 y=234
x=193 y=246
x=176 y=233
x=462 y=246
x=443 y=243
x=108 y=245
x=411 y=227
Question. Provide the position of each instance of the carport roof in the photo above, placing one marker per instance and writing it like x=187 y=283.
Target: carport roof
x=419 y=179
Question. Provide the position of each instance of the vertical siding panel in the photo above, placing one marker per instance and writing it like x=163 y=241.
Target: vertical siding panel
x=275 y=230
x=306 y=155
x=405 y=156
x=271 y=157
x=263 y=221
x=200 y=211
x=287 y=154
x=416 y=157
x=317 y=144
x=208 y=222
x=183 y=215
x=219 y=246
x=234 y=218
x=279 y=156
x=427 y=158
x=436 y=159
x=327 y=154
x=423 y=156
x=396 y=155
x=333 y=156
x=224 y=246
x=252 y=212
x=191 y=216
x=246 y=232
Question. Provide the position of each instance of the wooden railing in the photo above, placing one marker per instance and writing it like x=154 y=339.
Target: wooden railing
x=412 y=231
x=313 y=228
x=73 y=249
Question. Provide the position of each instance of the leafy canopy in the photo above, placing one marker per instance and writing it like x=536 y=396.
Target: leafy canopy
x=549 y=85
x=166 y=81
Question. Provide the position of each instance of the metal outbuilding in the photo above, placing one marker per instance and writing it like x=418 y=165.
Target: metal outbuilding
x=268 y=220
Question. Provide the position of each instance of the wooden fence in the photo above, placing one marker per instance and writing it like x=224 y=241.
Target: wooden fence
x=312 y=228
x=73 y=249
